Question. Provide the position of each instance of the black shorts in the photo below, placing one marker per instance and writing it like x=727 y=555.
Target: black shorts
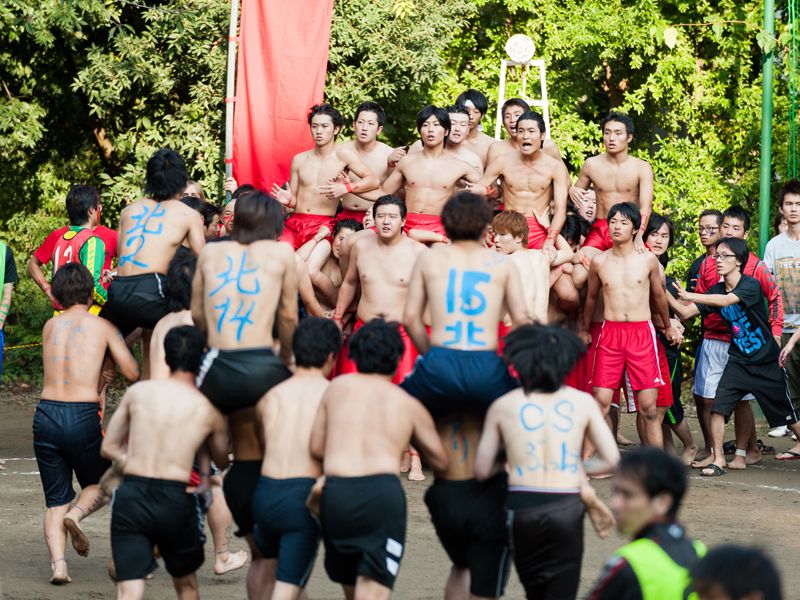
x=448 y=381
x=674 y=414
x=237 y=379
x=767 y=382
x=363 y=527
x=284 y=529
x=66 y=438
x=136 y=301
x=239 y=485
x=149 y=512
x=470 y=519
x=547 y=542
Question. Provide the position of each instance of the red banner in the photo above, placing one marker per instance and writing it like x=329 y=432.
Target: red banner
x=283 y=57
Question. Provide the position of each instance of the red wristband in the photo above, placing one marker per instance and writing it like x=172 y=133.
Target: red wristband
x=348 y=187
x=552 y=234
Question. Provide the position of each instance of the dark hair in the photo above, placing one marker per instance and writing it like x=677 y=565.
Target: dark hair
x=738 y=247
x=209 y=211
x=429 y=111
x=245 y=188
x=711 y=212
x=619 y=118
x=518 y=102
x=183 y=349
x=346 y=224
x=72 y=284
x=542 y=355
x=258 y=216
x=739 y=571
x=371 y=107
x=314 y=340
x=628 y=210
x=790 y=187
x=776 y=222
x=180 y=274
x=81 y=199
x=457 y=109
x=194 y=203
x=326 y=109
x=166 y=175
x=737 y=212
x=654 y=224
x=574 y=227
x=377 y=347
x=465 y=216
x=658 y=472
x=387 y=200
x=532 y=116
x=477 y=98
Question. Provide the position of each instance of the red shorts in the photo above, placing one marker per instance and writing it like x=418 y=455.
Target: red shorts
x=301 y=227
x=537 y=235
x=356 y=215
x=664 y=399
x=581 y=375
x=629 y=347
x=598 y=235
x=502 y=332
x=424 y=221
x=404 y=366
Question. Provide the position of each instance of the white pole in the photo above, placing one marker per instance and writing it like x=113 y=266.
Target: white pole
x=501 y=97
x=230 y=90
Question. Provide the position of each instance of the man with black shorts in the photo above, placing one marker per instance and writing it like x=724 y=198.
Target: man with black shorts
x=285 y=531
x=467 y=288
x=752 y=365
x=542 y=428
x=151 y=507
x=241 y=286
x=67 y=425
x=363 y=424
x=150 y=232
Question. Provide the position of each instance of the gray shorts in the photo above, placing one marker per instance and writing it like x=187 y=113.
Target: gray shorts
x=711 y=361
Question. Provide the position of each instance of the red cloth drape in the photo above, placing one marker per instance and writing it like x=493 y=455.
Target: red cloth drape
x=283 y=56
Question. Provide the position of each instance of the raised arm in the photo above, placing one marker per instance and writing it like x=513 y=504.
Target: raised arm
x=489 y=447
x=485 y=185
x=577 y=191
x=396 y=180
x=415 y=305
x=560 y=190
x=645 y=204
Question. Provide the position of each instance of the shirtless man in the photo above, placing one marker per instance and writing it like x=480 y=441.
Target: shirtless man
x=467 y=288
x=477 y=141
x=285 y=532
x=362 y=425
x=616 y=177
x=151 y=506
x=430 y=176
x=240 y=287
x=67 y=425
x=314 y=190
x=529 y=179
x=323 y=262
x=513 y=108
x=631 y=284
x=380 y=158
x=459 y=129
x=542 y=428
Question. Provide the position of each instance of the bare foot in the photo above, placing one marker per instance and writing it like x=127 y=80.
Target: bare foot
x=622 y=440
x=753 y=457
x=599 y=514
x=79 y=540
x=689 y=454
x=405 y=461
x=702 y=454
x=60 y=573
x=738 y=463
x=415 y=474
x=229 y=561
x=701 y=464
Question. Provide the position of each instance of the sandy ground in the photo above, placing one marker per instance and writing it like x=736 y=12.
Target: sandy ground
x=759 y=506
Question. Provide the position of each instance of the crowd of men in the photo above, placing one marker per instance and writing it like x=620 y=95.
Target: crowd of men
x=460 y=303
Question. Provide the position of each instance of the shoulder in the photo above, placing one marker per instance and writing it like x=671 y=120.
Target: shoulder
x=642 y=166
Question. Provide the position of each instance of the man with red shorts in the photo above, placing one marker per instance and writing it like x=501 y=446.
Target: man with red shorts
x=631 y=283
x=314 y=189
x=430 y=176
x=616 y=177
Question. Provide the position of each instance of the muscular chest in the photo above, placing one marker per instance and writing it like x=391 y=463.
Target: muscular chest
x=616 y=180
x=317 y=171
x=433 y=175
x=624 y=275
x=523 y=180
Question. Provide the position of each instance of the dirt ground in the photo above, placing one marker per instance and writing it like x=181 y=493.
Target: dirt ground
x=759 y=506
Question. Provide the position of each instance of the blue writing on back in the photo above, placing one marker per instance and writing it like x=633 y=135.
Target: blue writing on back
x=564 y=410
x=468 y=301
x=246 y=283
x=457 y=438
x=531 y=416
x=137 y=235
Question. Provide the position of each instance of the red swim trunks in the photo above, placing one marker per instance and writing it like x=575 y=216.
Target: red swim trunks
x=356 y=215
x=664 y=399
x=301 y=227
x=629 y=347
x=502 y=332
x=404 y=366
x=598 y=236
x=424 y=221
x=537 y=235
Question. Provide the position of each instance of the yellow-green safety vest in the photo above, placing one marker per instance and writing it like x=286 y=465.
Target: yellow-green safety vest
x=660 y=577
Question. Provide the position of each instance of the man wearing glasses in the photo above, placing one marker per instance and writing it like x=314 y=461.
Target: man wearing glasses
x=708 y=228
x=738 y=300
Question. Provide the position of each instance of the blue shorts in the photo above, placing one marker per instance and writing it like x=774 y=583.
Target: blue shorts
x=66 y=438
x=2 y=347
x=449 y=381
x=284 y=529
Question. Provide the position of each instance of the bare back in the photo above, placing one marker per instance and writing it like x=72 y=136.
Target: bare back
x=460 y=435
x=625 y=281
x=534 y=271
x=150 y=232
x=617 y=181
x=286 y=414
x=237 y=289
x=158 y=362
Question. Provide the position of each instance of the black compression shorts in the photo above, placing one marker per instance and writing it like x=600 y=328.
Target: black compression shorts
x=470 y=519
x=363 y=527
x=136 y=301
x=239 y=485
x=149 y=512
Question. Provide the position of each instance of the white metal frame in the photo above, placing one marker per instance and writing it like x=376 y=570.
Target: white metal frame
x=541 y=103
